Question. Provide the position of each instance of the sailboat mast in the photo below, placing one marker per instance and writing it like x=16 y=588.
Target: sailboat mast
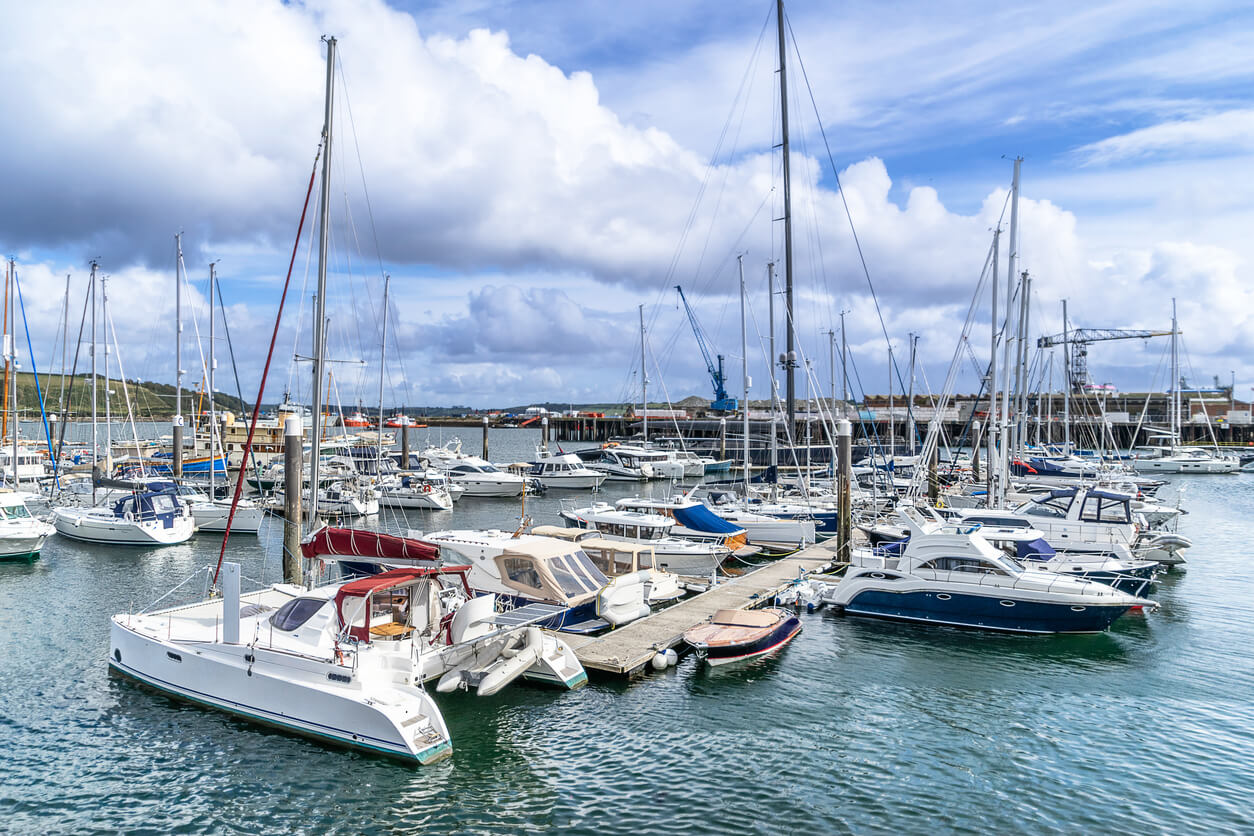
x=178 y=355
x=11 y=339
x=383 y=353
x=104 y=327
x=324 y=212
x=744 y=363
x=1175 y=377
x=4 y=418
x=644 y=383
x=1066 y=396
x=783 y=114
x=65 y=337
x=95 y=384
x=991 y=468
x=213 y=367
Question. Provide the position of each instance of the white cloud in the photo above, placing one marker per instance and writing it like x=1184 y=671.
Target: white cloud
x=1230 y=131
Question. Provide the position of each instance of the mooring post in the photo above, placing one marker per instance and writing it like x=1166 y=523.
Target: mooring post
x=722 y=439
x=544 y=433
x=178 y=446
x=404 y=446
x=293 y=471
x=844 y=499
x=485 y=438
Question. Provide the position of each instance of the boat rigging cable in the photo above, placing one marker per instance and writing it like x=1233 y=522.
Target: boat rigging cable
x=261 y=391
x=34 y=373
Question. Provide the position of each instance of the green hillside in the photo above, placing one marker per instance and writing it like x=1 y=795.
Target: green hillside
x=149 y=400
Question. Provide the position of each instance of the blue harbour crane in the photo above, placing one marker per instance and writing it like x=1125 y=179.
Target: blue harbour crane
x=721 y=403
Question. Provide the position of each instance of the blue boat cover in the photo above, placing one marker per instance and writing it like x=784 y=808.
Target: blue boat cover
x=700 y=518
x=1036 y=549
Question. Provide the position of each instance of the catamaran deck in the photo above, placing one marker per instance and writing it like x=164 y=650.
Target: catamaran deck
x=628 y=649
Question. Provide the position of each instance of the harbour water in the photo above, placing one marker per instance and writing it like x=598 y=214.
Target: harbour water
x=856 y=726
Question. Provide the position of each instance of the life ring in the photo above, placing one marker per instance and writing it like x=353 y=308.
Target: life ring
x=426 y=489
x=128 y=516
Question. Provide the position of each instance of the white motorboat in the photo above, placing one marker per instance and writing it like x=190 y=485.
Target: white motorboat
x=138 y=519
x=616 y=558
x=30 y=465
x=529 y=570
x=1187 y=460
x=342 y=663
x=565 y=471
x=691 y=558
x=625 y=463
x=22 y=535
x=478 y=477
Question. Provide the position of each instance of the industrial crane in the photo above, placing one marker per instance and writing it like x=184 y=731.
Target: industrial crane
x=1080 y=338
x=721 y=403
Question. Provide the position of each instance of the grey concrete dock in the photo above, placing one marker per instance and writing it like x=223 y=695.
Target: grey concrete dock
x=627 y=650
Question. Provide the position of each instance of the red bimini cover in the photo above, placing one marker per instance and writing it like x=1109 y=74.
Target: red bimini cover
x=353 y=542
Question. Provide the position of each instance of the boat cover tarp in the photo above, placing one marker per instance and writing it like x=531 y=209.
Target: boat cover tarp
x=1036 y=549
x=700 y=518
x=353 y=542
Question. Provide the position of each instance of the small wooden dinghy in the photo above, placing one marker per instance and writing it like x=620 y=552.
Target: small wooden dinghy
x=736 y=635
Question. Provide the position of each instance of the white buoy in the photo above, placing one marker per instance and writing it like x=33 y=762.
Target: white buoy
x=672 y=658
x=659 y=661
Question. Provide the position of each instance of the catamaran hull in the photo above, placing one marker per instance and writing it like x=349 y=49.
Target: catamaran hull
x=222 y=678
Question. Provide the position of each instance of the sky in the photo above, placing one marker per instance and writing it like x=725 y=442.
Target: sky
x=530 y=173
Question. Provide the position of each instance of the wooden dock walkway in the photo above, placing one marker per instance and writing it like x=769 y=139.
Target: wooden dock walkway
x=627 y=650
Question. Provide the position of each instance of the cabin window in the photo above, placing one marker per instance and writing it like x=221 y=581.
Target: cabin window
x=633 y=532
x=645 y=560
x=602 y=560
x=587 y=572
x=295 y=613
x=961 y=564
x=520 y=570
x=14 y=512
x=565 y=578
x=1042 y=509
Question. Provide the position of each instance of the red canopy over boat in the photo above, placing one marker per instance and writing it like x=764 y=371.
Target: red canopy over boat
x=354 y=542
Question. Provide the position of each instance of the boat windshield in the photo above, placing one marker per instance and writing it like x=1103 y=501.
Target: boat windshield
x=14 y=512
x=295 y=613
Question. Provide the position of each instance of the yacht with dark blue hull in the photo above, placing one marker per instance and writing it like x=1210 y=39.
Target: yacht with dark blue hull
x=955 y=577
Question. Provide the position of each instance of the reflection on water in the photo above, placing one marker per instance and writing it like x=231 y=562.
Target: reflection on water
x=855 y=726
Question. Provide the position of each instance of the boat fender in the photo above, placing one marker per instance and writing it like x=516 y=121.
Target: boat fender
x=672 y=658
x=451 y=681
x=659 y=661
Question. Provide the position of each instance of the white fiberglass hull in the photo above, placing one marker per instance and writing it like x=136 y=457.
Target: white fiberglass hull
x=212 y=516
x=573 y=481
x=287 y=691
x=481 y=486
x=1171 y=465
x=23 y=541
x=435 y=499
x=93 y=526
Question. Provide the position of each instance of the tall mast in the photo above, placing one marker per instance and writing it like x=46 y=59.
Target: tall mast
x=844 y=374
x=914 y=348
x=104 y=328
x=783 y=114
x=1012 y=257
x=770 y=308
x=65 y=336
x=320 y=339
x=178 y=354
x=1175 y=377
x=991 y=468
x=1066 y=390
x=1024 y=331
x=8 y=382
x=213 y=367
x=11 y=340
x=95 y=384
x=744 y=362
x=644 y=383
x=383 y=354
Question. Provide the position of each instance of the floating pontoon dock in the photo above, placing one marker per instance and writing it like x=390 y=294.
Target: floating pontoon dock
x=627 y=650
